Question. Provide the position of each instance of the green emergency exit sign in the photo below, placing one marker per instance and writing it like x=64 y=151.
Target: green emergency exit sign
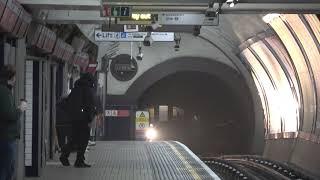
x=120 y=11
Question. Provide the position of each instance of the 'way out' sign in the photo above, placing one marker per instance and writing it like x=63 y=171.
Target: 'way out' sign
x=142 y=120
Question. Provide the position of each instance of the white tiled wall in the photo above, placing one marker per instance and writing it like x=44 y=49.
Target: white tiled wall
x=28 y=123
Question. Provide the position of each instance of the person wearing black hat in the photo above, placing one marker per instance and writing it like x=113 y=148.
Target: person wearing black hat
x=9 y=122
x=82 y=109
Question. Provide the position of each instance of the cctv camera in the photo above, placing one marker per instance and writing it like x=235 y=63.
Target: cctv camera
x=210 y=12
x=155 y=26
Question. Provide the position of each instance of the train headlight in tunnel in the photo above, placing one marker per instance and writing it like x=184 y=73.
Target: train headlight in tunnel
x=151 y=134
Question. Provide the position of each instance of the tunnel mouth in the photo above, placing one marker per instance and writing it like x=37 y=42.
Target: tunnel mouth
x=237 y=83
x=201 y=111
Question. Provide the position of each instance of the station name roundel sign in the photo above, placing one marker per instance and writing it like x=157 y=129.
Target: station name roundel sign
x=123 y=68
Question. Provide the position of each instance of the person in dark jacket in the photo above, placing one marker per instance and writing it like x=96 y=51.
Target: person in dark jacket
x=9 y=123
x=63 y=123
x=82 y=109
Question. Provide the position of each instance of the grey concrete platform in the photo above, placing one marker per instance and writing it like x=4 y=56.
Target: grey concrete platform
x=134 y=160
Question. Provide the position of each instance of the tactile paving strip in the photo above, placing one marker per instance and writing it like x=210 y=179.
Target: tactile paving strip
x=134 y=160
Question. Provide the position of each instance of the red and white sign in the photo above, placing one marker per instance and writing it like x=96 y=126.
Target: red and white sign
x=117 y=113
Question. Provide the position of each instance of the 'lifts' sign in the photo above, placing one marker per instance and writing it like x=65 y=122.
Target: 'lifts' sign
x=123 y=68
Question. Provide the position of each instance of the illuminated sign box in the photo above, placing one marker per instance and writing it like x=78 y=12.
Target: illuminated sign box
x=116 y=11
x=133 y=36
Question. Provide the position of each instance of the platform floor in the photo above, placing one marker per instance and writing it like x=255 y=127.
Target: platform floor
x=134 y=160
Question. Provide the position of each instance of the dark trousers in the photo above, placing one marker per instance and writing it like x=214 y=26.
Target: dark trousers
x=64 y=132
x=79 y=140
x=8 y=155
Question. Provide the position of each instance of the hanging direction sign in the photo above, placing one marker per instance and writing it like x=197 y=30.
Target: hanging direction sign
x=133 y=36
x=180 y=18
x=172 y=18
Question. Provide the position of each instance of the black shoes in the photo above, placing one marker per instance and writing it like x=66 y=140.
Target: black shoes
x=81 y=164
x=77 y=164
x=64 y=161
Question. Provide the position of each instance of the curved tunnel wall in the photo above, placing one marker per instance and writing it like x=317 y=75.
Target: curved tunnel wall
x=276 y=84
x=285 y=66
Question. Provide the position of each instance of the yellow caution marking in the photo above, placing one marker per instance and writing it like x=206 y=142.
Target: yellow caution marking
x=194 y=173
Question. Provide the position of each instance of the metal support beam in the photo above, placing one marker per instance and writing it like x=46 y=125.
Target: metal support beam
x=193 y=2
x=241 y=8
x=93 y=16
x=245 y=7
x=75 y=17
x=62 y=4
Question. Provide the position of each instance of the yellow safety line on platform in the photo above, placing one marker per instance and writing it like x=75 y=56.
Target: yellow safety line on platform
x=185 y=162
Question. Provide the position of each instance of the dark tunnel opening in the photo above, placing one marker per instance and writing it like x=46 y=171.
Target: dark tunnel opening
x=221 y=125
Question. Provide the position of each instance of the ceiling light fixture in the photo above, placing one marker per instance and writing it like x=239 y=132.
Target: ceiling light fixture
x=270 y=17
x=231 y=3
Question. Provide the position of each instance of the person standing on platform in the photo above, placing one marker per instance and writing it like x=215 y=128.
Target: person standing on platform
x=63 y=123
x=82 y=109
x=97 y=119
x=9 y=122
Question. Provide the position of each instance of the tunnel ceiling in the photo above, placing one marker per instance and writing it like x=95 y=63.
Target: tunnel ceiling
x=231 y=32
x=94 y=4
x=233 y=28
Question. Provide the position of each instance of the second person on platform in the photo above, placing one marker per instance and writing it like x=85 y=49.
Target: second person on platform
x=81 y=107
